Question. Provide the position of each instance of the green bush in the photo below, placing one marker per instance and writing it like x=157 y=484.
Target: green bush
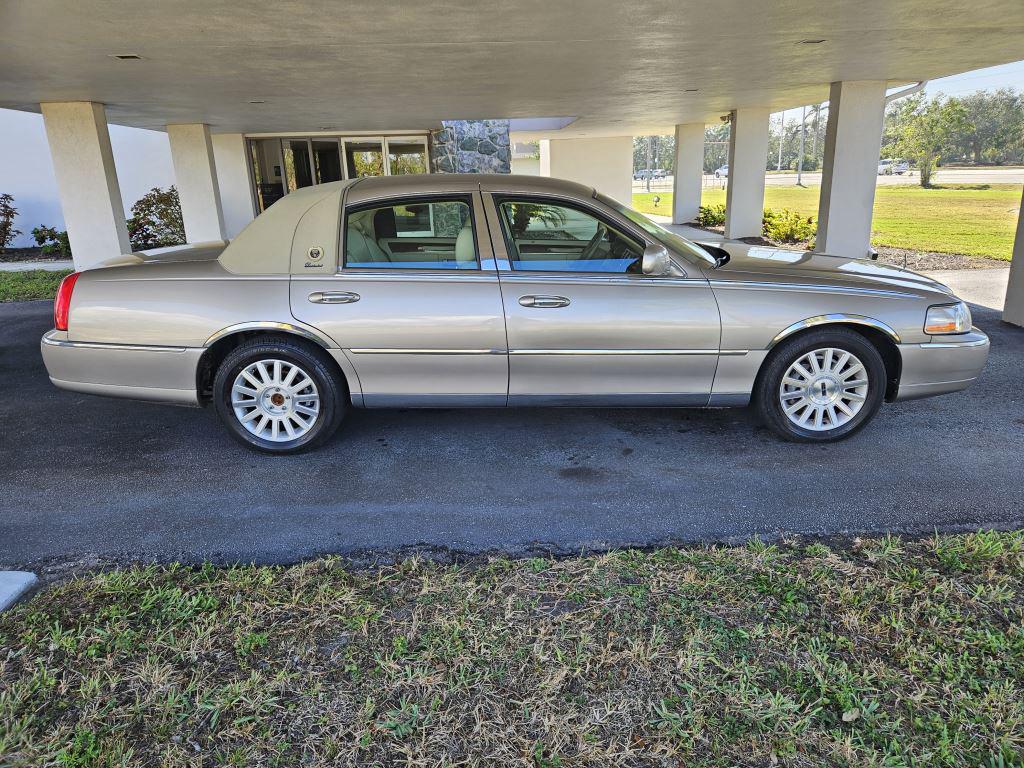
x=788 y=226
x=53 y=241
x=711 y=215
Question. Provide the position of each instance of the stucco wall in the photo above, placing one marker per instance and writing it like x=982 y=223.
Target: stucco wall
x=605 y=164
x=471 y=146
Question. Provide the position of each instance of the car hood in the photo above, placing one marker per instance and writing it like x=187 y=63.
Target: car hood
x=770 y=264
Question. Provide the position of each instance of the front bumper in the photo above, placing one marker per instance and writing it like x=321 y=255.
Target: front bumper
x=947 y=364
x=137 y=372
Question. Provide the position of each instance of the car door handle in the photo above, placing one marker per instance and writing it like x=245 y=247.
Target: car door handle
x=333 y=297
x=544 y=301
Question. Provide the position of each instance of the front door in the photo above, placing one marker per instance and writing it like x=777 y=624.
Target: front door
x=584 y=324
x=418 y=317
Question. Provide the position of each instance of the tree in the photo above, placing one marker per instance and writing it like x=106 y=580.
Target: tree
x=53 y=242
x=923 y=127
x=156 y=220
x=7 y=214
x=993 y=130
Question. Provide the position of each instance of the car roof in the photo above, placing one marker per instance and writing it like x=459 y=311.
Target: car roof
x=373 y=187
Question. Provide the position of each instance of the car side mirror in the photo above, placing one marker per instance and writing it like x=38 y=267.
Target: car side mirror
x=655 y=261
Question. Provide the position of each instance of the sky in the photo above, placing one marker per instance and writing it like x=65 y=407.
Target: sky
x=143 y=158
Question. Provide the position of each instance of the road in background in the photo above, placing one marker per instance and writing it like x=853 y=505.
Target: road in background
x=941 y=176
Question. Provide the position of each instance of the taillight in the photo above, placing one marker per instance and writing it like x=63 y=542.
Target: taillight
x=62 y=304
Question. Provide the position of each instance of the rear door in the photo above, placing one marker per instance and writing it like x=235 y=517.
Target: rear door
x=416 y=303
x=584 y=325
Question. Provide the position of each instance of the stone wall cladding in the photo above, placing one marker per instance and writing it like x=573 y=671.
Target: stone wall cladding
x=471 y=146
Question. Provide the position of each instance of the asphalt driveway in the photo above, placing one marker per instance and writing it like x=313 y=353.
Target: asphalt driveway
x=83 y=476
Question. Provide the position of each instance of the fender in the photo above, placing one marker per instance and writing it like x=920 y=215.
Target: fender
x=835 y=319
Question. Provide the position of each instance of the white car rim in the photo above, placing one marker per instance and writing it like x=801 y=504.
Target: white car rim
x=275 y=400
x=824 y=389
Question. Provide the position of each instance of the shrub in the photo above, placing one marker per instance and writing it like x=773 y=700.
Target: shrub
x=156 y=220
x=7 y=214
x=711 y=215
x=53 y=241
x=788 y=226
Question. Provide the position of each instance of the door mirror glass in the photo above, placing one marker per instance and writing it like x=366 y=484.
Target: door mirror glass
x=656 y=260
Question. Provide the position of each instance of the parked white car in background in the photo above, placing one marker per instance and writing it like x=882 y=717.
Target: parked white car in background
x=889 y=167
x=722 y=172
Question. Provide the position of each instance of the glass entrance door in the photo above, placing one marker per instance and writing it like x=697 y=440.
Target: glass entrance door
x=364 y=158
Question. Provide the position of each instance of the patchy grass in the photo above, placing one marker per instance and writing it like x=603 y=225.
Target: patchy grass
x=888 y=653
x=975 y=220
x=30 y=284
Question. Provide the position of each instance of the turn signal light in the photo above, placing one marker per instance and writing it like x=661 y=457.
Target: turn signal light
x=62 y=304
x=947 y=318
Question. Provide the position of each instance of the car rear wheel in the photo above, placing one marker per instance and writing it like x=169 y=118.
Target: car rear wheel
x=821 y=386
x=278 y=396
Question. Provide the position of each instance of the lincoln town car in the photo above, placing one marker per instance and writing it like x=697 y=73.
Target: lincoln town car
x=495 y=291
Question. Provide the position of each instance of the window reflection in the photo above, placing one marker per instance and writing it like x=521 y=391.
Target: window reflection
x=407 y=157
x=297 y=170
x=267 y=172
x=364 y=158
x=326 y=160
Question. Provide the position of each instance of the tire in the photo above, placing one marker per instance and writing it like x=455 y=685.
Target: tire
x=289 y=418
x=844 y=403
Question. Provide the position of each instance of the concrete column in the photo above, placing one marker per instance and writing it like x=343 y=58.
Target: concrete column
x=748 y=153
x=229 y=153
x=853 y=139
x=1013 y=309
x=86 y=180
x=688 y=176
x=195 y=176
x=606 y=164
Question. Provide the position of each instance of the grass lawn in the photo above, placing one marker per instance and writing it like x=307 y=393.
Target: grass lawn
x=955 y=219
x=32 y=284
x=883 y=652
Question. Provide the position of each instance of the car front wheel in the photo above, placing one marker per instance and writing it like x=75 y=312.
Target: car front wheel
x=278 y=396
x=821 y=386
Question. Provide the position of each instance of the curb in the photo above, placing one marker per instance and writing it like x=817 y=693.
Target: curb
x=14 y=584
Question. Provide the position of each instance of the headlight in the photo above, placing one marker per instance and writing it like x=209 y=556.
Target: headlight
x=947 y=318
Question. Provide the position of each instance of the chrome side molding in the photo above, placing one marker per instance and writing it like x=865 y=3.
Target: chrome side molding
x=298 y=330
x=833 y=319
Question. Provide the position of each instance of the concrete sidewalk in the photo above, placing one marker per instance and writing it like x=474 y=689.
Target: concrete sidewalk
x=25 y=266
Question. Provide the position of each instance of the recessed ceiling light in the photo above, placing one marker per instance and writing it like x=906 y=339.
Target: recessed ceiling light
x=812 y=41
x=257 y=101
x=125 y=56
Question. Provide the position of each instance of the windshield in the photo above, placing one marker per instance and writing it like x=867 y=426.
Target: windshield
x=690 y=251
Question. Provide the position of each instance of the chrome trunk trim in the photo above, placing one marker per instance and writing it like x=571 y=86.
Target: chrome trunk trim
x=53 y=342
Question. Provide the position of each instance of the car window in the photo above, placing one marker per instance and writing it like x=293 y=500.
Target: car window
x=412 y=234
x=549 y=237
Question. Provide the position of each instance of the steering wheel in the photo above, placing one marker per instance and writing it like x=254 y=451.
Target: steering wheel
x=590 y=249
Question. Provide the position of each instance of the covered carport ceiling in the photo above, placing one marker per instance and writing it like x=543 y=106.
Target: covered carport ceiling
x=620 y=66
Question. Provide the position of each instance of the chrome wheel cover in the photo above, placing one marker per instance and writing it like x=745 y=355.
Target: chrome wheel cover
x=275 y=400
x=822 y=390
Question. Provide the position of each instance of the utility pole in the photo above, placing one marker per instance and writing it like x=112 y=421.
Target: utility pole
x=650 y=151
x=814 y=138
x=782 y=137
x=800 y=158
